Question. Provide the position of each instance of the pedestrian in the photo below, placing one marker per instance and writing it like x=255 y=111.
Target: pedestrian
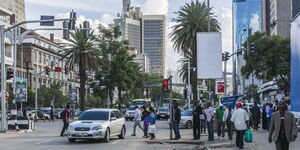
x=196 y=120
x=275 y=107
x=283 y=129
x=255 y=116
x=209 y=113
x=226 y=119
x=66 y=119
x=264 y=117
x=176 y=120
x=152 y=120
x=240 y=120
x=220 y=123
x=52 y=113
x=137 y=120
x=202 y=121
x=269 y=114
x=145 y=115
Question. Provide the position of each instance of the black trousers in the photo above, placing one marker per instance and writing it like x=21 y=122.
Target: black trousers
x=240 y=138
x=229 y=129
x=196 y=129
x=146 y=131
x=65 y=127
x=282 y=143
x=255 y=122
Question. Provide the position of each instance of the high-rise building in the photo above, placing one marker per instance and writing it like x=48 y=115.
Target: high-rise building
x=247 y=20
x=154 y=41
x=146 y=34
x=17 y=7
x=280 y=16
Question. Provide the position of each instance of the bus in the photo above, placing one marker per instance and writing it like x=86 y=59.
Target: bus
x=141 y=102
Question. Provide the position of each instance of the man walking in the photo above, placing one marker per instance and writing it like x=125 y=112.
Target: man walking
x=137 y=120
x=209 y=113
x=196 y=120
x=283 y=129
x=66 y=119
x=176 y=120
x=202 y=121
x=226 y=119
x=52 y=113
x=240 y=120
x=220 y=123
x=255 y=116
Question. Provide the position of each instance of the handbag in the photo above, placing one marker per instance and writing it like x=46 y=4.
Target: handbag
x=151 y=128
x=248 y=136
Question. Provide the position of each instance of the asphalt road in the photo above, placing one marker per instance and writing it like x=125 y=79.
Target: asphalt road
x=47 y=137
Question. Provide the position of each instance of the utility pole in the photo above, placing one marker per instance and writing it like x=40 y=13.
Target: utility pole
x=171 y=108
x=36 y=92
x=189 y=85
x=208 y=16
x=3 y=80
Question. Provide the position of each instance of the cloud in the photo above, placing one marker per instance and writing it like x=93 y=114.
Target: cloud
x=155 y=7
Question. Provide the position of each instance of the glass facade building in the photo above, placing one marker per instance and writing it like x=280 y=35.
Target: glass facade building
x=247 y=20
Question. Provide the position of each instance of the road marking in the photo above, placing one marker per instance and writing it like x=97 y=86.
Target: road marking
x=42 y=142
x=115 y=142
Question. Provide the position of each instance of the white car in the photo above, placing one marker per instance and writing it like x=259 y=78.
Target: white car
x=97 y=124
x=186 y=119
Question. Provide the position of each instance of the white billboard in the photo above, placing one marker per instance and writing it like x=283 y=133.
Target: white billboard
x=209 y=55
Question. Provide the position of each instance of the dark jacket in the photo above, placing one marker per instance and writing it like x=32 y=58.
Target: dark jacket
x=177 y=115
x=196 y=112
x=255 y=111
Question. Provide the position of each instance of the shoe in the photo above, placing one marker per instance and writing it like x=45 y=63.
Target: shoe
x=133 y=134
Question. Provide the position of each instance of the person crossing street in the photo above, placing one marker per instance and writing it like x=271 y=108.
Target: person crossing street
x=137 y=120
x=220 y=123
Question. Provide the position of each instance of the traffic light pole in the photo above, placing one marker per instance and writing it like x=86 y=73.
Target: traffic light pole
x=189 y=85
x=3 y=80
x=171 y=108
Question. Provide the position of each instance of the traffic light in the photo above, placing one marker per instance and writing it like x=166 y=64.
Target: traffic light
x=66 y=70
x=86 y=29
x=252 y=48
x=72 y=22
x=47 y=70
x=66 y=35
x=185 y=93
x=9 y=74
x=165 y=84
x=225 y=56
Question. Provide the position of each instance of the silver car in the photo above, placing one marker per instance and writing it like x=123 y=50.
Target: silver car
x=97 y=124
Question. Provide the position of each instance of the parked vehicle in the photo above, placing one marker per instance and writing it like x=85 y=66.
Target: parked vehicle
x=163 y=112
x=187 y=119
x=141 y=102
x=129 y=115
x=97 y=124
x=40 y=115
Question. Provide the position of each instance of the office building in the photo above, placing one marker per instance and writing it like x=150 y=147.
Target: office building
x=143 y=62
x=280 y=16
x=34 y=54
x=17 y=7
x=247 y=20
x=154 y=41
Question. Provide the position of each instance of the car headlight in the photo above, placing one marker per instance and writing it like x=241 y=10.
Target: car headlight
x=97 y=128
x=70 y=128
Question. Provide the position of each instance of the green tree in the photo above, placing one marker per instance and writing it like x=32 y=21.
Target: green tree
x=44 y=96
x=251 y=92
x=83 y=53
x=116 y=67
x=57 y=95
x=267 y=57
x=192 y=18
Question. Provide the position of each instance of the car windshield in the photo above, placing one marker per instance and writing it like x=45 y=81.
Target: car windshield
x=186 y=113
x=164 y=109
x=94 y=115
x=131 y=108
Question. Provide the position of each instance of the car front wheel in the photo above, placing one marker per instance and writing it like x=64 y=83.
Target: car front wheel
x=71 y=140
x=107 y=136
x=123 y=132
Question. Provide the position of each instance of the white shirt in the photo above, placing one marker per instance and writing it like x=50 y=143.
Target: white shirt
x=239 y=119
x=226 y=113
x=209 y=112
x=137 y=115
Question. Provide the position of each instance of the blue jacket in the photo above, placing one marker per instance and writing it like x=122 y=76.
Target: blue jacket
x=151 y=118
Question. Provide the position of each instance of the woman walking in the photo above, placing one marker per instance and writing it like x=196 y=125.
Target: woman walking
x=152 y=120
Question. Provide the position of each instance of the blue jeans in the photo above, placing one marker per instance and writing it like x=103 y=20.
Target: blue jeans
x=210 y=130
x=176 y=130
x=203 y=126
x=268 y=123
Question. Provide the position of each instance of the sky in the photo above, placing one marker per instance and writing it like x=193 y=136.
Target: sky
x=104 y=11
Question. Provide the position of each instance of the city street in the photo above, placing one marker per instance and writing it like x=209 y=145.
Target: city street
x=46 y=137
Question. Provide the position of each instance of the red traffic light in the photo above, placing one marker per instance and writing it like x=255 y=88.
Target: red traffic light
x=165 y=85
x=58 y=69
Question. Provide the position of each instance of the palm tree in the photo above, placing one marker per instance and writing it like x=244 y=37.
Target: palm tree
x=192 y=18
x=82 y=52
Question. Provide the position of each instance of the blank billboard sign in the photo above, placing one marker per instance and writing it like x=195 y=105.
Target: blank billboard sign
x=209 y=55
x=295 y=65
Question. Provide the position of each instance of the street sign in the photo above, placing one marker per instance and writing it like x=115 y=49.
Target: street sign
x=21 y=92
x=220 y=87
x=47 y=23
